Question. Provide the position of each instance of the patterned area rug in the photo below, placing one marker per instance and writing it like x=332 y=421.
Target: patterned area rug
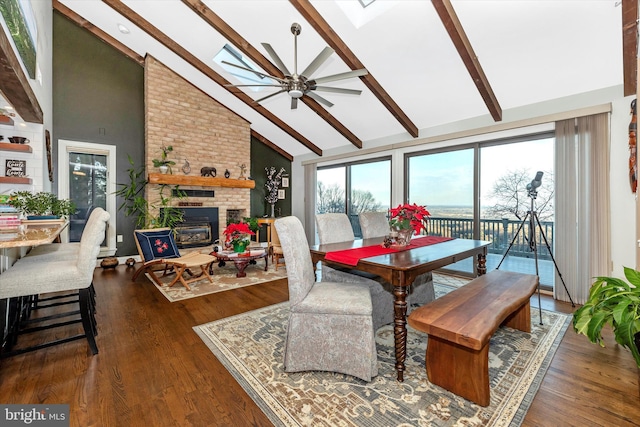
x=224 y=278
x=250 y=345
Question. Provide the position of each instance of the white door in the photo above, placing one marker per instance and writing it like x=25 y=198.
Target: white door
x=87 y=177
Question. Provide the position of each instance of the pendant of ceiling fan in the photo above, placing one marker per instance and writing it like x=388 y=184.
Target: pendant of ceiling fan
x=299 y=85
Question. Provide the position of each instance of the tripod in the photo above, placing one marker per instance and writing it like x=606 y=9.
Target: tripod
x=532 y=216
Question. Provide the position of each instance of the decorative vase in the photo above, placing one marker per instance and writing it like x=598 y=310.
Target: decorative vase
x=163 y=169
x=401 y=237
x=240 y=246
x=273 y=210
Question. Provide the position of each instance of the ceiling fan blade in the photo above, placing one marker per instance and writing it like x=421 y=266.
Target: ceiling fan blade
x=322 y=56
x=294 y=103
x=337 y=90
x=272 y=53
x=255 y=72
x=318 y=98
x=269 y=96
x=341 y=76
x=274 y=85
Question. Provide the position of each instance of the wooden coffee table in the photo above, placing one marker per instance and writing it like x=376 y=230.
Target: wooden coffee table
x=241 y=260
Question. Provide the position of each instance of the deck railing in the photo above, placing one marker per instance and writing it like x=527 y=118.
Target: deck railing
x=500 y=232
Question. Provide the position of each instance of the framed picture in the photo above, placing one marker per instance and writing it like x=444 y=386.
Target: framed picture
x=285 y=182
x=15 y=168
x=280 y=194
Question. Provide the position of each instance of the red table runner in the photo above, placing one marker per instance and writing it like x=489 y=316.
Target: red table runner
x=352 y=256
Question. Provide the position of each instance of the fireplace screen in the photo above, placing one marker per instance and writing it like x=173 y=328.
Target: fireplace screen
x=194 y=232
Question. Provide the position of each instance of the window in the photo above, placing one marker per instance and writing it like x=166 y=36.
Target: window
x=444 y=182
x=353 y=188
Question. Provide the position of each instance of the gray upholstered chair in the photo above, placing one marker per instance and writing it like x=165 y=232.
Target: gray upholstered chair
x=376 y=224
x=25 y=279
x=65 y=251
x=330 y=325
x=334 y=228
x=373 y=224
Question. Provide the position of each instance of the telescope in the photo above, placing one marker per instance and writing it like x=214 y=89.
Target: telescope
x=535 y=182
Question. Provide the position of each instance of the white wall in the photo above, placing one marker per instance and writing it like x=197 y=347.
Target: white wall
x=623 y=211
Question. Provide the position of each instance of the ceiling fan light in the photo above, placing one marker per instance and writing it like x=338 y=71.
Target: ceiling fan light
x=296 y=93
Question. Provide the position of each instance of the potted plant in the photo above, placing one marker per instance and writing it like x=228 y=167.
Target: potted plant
x=164 y=164
x=238 y=235
x=617 y=303
x=41 y=205
x=406 y=220
x=135 y=204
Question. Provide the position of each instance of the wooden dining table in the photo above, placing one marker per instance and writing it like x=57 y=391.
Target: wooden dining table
x=400 y=268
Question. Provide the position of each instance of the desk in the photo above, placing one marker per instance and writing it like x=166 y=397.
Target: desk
x=401 y=269
x=29 y=233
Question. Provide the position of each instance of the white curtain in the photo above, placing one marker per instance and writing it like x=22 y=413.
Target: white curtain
x=310 y=202
x=582 y=233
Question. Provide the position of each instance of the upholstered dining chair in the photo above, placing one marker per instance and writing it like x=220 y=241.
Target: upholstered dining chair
x=158 y=251
x=334 y=228
x=376 y=224
x=25 y=279
x=330 y=326
x=373 y=224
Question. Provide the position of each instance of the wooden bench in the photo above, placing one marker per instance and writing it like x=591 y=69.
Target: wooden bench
x=461 y=323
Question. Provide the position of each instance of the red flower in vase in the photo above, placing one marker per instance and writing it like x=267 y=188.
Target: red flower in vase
x=237 y=231
x=408 y=216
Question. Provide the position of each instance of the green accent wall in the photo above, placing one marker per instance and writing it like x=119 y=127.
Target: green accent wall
x=98 y=98
x=263 y=157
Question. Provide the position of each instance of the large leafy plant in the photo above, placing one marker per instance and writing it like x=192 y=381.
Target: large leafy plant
x=41 y=203
x=617 y=303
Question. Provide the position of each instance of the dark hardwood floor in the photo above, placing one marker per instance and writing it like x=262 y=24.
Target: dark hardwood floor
x=153 y=370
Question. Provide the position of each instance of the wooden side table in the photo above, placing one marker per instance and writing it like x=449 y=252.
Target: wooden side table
x=269 y=222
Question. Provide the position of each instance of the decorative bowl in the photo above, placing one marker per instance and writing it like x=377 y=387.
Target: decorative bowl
x=18 y=140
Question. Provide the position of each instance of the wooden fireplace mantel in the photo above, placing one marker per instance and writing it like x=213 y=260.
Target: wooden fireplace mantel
x=202 y=181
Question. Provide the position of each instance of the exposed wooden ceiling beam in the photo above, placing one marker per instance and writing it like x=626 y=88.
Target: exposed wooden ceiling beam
x=323 y=28
x=171 y=44
x=14 y=85
x=230 y=34
x=106 y=38
x=271 y=145
x=456 y=33
x=630 y=45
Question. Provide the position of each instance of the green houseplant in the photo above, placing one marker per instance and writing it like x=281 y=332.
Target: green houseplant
x=135 y=204
x=41 y=204
x=617 y=303
x=163 y=163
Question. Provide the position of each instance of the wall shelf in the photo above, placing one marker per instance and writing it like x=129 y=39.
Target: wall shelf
x=14 y=180
x=21 y=148
x=200 y=181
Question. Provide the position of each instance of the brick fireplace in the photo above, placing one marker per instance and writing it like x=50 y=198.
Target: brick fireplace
x=202 y=132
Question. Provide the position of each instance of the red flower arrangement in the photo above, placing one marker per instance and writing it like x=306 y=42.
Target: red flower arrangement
x=407 y=216
x=239 y=231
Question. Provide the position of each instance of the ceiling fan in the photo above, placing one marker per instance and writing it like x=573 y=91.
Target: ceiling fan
x=299 y=85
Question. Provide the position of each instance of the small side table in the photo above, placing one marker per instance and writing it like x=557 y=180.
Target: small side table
x=241 y=260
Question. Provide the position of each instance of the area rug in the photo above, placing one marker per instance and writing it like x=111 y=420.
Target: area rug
x=250 y=346
x=224 y=279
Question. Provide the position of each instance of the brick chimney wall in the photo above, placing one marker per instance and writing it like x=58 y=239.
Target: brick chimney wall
x=200 y=130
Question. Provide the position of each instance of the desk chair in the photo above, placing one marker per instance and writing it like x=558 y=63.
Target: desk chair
x=158 y=251
x=330 y=326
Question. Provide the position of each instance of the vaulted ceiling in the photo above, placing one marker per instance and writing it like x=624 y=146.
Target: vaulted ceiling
x=429 y=62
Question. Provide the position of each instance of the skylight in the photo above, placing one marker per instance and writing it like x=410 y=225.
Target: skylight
x=230 y=54
x=366 y=3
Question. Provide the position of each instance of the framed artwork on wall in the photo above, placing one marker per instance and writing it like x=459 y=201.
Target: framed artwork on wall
x=285 y=182
x=280 y=194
